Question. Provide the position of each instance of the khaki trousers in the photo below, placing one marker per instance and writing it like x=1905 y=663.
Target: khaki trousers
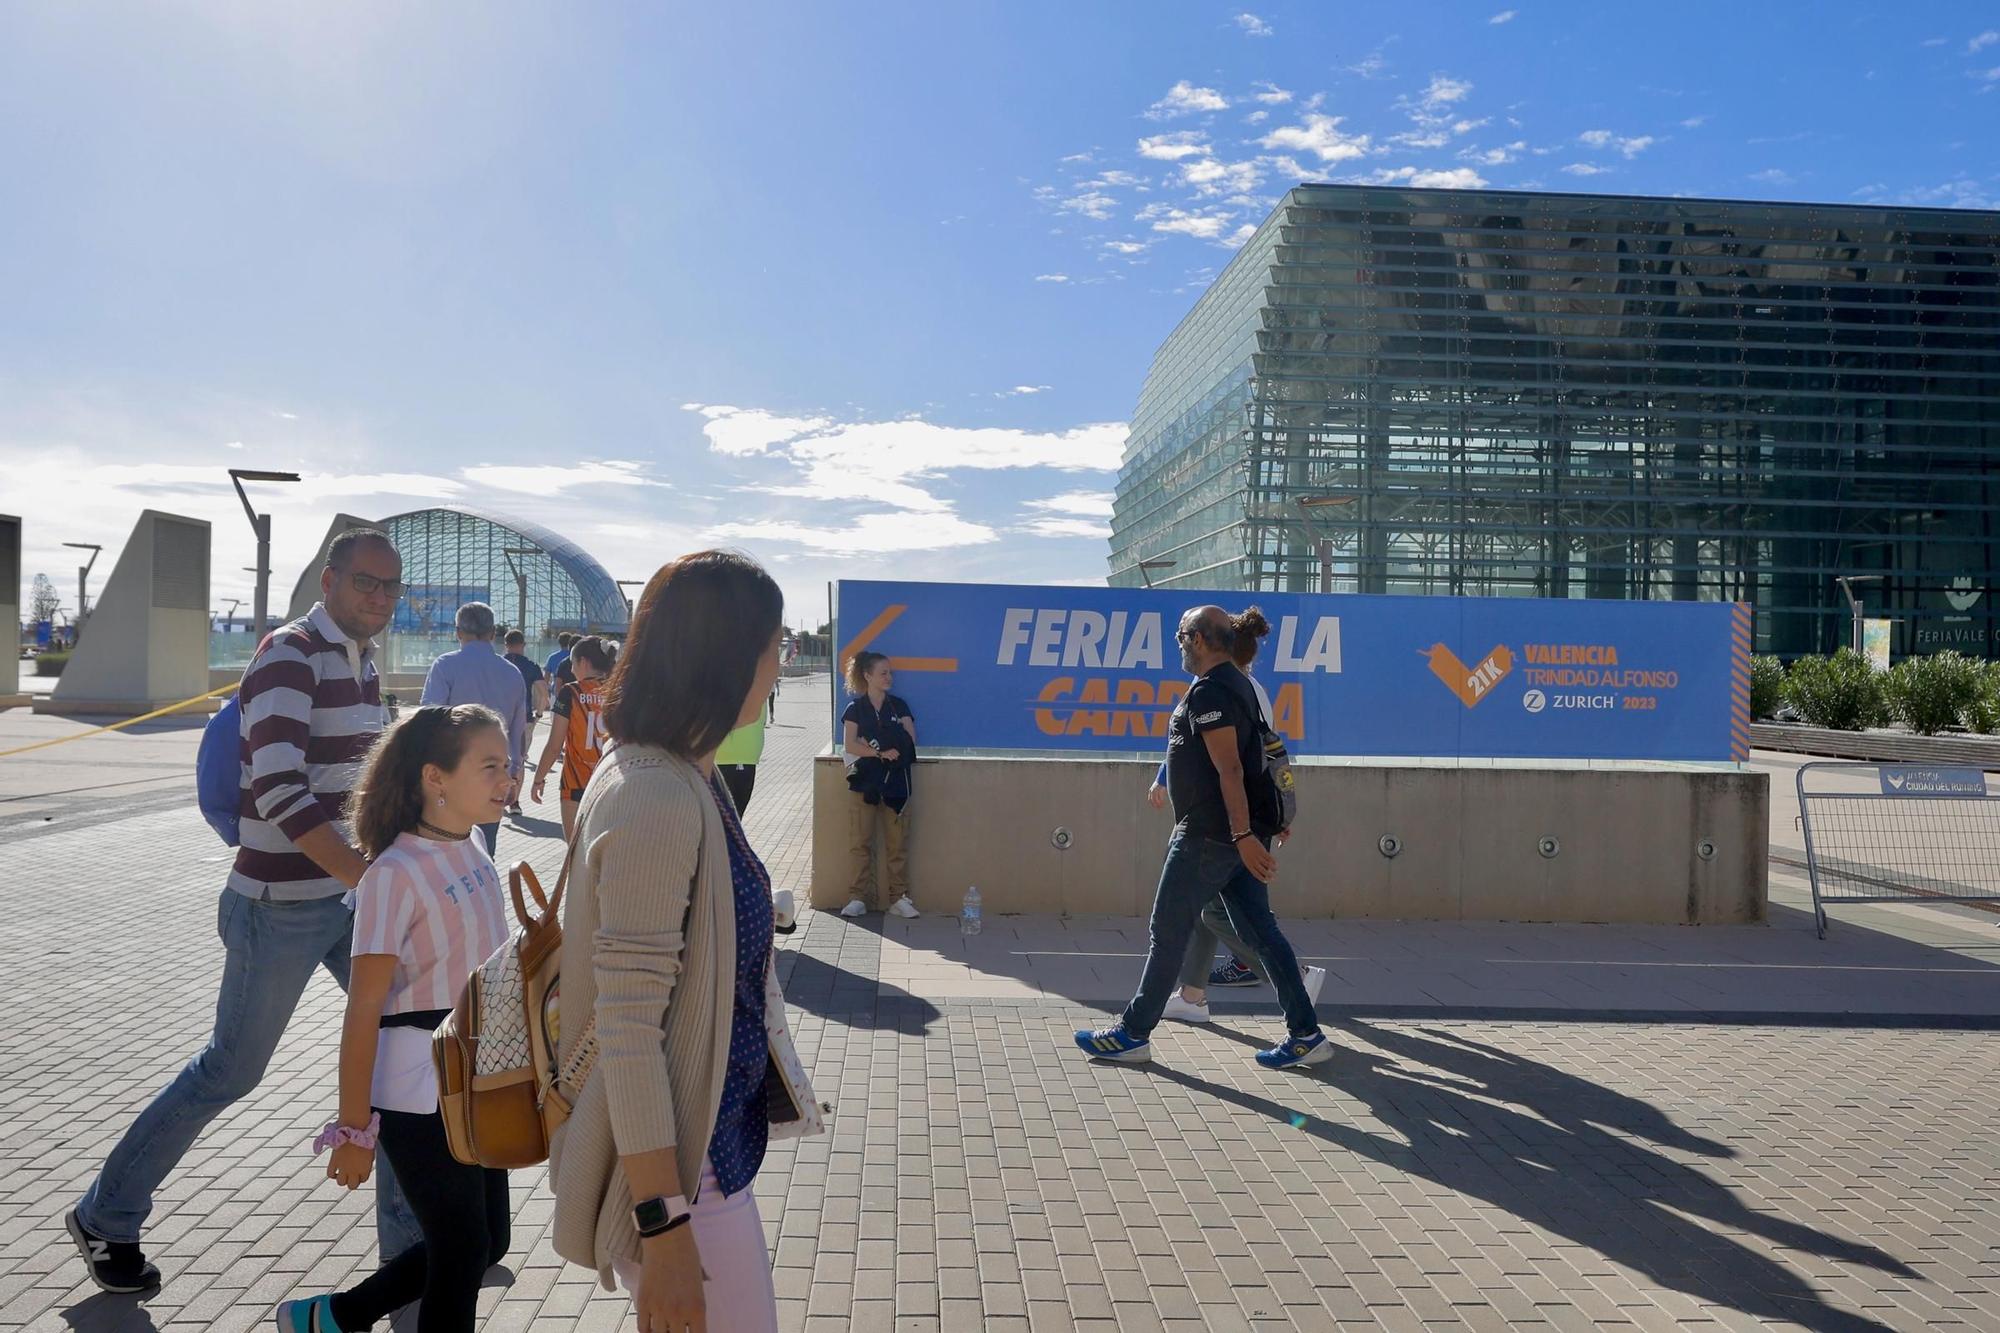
x=862 y=821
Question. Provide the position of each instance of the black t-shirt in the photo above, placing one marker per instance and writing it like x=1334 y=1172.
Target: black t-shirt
x=1222 y=698
x=529 y=673
x=865 y=719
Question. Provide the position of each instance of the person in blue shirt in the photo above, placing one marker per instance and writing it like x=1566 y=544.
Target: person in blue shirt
x=477 y=674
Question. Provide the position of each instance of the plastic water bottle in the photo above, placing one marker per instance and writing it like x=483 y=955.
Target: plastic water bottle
x=969 y=922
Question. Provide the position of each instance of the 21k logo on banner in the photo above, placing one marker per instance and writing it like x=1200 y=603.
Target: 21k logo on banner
x=1470 y=684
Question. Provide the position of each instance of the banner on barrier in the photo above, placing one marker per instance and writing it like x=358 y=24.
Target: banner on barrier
x=1028 y=667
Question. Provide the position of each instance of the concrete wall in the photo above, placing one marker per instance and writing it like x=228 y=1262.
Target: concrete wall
x=146 y=642
x=1629 y=841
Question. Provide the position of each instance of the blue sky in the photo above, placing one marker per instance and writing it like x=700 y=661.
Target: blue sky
x=864 y=289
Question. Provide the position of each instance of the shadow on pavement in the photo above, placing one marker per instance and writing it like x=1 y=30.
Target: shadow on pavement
x=832 y=992
x=106 y=1313
x=1557 y=1162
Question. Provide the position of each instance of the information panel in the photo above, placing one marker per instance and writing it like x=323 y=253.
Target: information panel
x=1026 y=667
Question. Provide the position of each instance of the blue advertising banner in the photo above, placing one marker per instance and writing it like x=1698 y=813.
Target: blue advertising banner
x=1903 y=780
x=1024 y=667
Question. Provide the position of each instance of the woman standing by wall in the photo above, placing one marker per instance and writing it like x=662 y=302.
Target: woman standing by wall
x=879 y=745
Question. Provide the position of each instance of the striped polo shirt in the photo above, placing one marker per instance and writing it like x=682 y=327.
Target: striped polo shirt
x=312 y=705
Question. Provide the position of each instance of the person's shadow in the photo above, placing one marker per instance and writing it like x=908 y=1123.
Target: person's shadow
x=1570 y=1160
x=103 y=1312
x=837 y=995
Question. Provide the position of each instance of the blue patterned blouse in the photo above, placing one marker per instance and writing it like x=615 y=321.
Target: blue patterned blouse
x=741 y=1128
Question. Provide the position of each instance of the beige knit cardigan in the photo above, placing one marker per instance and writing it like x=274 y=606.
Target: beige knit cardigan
x=651 y=854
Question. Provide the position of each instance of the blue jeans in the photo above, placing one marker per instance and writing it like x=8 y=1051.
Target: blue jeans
x=1196 y=870
x=273 y=948
x=491 y=832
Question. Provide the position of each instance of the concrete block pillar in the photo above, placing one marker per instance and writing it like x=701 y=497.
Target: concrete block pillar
x=10 y=610
x=146 y=643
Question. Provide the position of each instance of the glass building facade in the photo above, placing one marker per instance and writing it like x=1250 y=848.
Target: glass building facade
x=535 y=580
x=1518 y=394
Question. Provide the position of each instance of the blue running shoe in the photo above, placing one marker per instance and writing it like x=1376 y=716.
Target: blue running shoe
x=1296 y=1051
x=1233 y=973
x=1113 y=1044
x=313 y=1315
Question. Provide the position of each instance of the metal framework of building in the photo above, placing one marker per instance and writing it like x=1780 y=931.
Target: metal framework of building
x=1500 y=393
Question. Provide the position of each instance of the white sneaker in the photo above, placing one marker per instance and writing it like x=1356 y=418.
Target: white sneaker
x=855 y=907
x=904 y=907
x=1185 y=1010
x=1315 y=979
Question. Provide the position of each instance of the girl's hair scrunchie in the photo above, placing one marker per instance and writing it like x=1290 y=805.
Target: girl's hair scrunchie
x=335 y=1134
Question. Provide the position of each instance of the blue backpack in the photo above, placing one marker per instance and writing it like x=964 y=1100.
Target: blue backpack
x=218 y=771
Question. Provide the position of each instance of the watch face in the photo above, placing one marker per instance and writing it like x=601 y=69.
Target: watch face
x=651 y=1215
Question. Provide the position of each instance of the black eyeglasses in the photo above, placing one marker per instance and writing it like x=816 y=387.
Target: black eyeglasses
x=1188 y=635
x=368 y=585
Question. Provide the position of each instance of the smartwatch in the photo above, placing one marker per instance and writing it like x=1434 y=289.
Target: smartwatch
x=657 y=1216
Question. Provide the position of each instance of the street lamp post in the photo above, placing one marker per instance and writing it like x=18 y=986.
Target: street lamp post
x=1846 y=582
x=83 y=578
x=261 y=525
x=1146 y=567
x=520 y=579
x=629 y=607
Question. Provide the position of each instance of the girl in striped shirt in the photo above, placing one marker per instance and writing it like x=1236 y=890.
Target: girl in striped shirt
x=427 y=912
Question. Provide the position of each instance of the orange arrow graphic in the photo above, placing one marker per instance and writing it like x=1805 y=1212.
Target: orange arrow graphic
x=875 y=627
x=1470 y=684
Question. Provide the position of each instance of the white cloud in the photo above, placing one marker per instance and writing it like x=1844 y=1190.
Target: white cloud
x=868 y=534
x=1066 y=527
x=1118 y=178
x=1773 y=176
x=1459 y=127
x=1982 y=41
x=1443 y=91
x=1694 y=122
x=1086 y=504
x=1631 y=147
x=1236 y=239
x=1203 y=225
x=1052 y=277
x=1022 y=390
x=1585 y=169
x=1127 y=247
x=1211 y=176
x=1272 y=94
x=1256 y=118
x=1253 y=26
x=552 y=479
x=1076 y=157
x=1184 y=99
x=1319 y=135
x=1495 y=157
x=1458 y=178
x=1173 y=147
x=1988 y=77
x=1371 y=66
x=1505 y=16
x=1092 y=204
x=742 y=431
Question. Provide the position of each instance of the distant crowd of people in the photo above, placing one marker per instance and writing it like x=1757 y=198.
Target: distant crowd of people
x=367 y=848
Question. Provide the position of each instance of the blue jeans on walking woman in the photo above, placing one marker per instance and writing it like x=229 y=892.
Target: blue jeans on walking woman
x=273 y=948
x=1196 y=870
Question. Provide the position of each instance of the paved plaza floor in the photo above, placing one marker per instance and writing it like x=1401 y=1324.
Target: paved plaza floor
x=1525 y=1127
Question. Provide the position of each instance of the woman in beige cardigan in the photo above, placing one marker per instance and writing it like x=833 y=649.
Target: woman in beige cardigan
x=667 y=944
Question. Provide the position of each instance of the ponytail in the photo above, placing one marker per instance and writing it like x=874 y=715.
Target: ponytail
x=389 y=799
x=858 y=669
x=1249 y=628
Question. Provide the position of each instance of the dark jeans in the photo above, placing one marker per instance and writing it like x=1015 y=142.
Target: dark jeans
x=467 y=1222
x=491 y=832
x=741 y=779
x=1196 y=870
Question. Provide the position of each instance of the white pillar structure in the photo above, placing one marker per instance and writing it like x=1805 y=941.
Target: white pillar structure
x=146 y=644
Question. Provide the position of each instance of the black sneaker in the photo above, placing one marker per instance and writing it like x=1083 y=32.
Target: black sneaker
x=115 y=1266
x=1233 y=973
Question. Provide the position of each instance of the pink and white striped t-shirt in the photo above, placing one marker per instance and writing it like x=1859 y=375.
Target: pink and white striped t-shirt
x=437 y=908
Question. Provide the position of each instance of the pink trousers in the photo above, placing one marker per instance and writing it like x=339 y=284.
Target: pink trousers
x=735 y=1266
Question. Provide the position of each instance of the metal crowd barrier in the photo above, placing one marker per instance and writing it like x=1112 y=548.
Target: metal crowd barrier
x=1885 y=833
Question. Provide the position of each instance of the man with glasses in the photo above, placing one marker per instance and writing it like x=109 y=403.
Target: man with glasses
x=311 y=701
x=1226 y=813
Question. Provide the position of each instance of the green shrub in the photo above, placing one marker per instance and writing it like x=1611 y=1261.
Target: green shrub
x=1982 y=714
x=1928 y=694
x=1842 y=692
x=52 y=663
x=1767 y=686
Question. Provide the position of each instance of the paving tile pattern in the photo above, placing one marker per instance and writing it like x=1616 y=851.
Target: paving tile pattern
x=1442 y=1172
